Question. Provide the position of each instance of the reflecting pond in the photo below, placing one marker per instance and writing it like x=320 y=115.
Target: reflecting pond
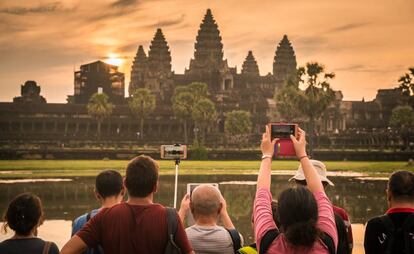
x=65 y=200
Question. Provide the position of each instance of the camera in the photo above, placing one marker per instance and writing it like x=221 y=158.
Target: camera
x=192 y=186
x=174 y=152
x=284 y=146
x=283 y=130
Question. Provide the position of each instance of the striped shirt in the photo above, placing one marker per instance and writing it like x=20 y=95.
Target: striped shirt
x=210 y=239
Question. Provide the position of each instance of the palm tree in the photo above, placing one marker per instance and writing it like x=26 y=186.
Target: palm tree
x=204 y=114
x=182 y=106
x=99 y=108
x=142 y=104
x=317 y=95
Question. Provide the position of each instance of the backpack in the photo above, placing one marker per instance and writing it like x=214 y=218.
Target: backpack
x=98 y=249
x=172 y=222
x=235 y=238
x=271 y=235
x=404 y=231
x=343 y=242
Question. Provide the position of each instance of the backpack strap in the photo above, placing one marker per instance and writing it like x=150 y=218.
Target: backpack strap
x=235 y=238
x=328 y=241
x=267 y=240
x=88 y=216
x=46 y=247
x=407 y=227
x=390 y=229
x=172 y=223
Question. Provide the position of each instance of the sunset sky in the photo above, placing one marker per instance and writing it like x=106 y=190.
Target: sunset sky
x=367 y=43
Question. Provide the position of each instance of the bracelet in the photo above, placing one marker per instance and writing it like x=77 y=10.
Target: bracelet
x=301 y=157
x=264 y=156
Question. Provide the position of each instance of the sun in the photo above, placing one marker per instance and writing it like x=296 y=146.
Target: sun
x=114 y=59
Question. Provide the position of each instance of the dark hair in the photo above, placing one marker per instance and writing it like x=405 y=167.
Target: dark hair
x=23 y=214
x=298 y=214
x=304 y=183
x=141 y=176
x=401 y=186
x=108 y=183
x=275 y=212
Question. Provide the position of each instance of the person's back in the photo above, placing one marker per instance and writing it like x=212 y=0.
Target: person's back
x=23 y=216
x=136 y=226
x=205 y=235
x=394 y=231
x=342 y=222
x=108 y=191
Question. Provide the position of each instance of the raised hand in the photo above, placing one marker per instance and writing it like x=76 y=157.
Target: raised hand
x=299 y=143
x=268 y=146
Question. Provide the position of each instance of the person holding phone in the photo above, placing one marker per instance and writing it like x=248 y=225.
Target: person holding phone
x=307 y=223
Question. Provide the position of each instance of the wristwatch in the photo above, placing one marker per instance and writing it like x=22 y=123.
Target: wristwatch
x=264 y=156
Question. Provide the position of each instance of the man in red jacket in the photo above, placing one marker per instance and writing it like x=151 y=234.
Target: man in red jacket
x=135 y=226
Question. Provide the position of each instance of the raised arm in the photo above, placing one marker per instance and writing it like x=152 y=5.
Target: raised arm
x=224 y=215
x=184 y=208
x=267 y=146
x=312 y=178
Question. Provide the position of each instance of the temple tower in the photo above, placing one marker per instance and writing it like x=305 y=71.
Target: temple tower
x=208 y=54
x=159 y=56
x=284 y=63
x=139 y=70
x=250 y=67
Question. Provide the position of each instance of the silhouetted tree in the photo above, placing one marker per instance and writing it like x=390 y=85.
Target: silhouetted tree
x=238 y=125
x=99 y=108
x=203 y=114
x=182 y=106
x=142 y=104
x=402 y=118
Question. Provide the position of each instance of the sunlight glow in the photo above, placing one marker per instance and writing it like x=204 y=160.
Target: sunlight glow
x=114 y=59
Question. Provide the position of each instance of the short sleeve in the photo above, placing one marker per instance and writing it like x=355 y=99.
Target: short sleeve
x=92 y=231
x=181 y=238
x=262 y=214
x=53 y=249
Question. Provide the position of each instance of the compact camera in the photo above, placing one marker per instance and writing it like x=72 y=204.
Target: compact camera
x=174 y=152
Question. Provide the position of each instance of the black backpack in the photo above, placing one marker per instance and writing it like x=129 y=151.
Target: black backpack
x=343 y=242
x=235 y=238
x=271 y=235
x=172 y=222
x=406 y=231
x=98 y=249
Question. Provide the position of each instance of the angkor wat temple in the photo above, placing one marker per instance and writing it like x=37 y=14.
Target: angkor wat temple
x=30 y=117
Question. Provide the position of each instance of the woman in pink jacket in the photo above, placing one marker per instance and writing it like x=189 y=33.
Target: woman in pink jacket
x=307 y=223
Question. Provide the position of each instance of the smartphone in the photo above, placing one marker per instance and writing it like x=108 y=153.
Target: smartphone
x=192 y=186
x=174 y=152
x=284 y=146
x=283 y=130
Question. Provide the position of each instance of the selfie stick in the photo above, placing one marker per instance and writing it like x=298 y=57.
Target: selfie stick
x=177 y=162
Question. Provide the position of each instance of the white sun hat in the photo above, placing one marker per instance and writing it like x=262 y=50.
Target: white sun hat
x=320 y=168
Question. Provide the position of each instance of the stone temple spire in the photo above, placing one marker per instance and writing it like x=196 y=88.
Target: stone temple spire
x=208 y=47
x=159 y=56
x=285 y=60
x=250 y=66
x=139 y=68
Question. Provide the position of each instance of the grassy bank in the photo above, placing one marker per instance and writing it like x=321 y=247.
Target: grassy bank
x=70 y=168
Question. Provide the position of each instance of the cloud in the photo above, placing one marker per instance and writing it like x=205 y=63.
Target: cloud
x=123 y=3
x=368 y=68
x=167 y=22
x=41 y=8
x=347 y=27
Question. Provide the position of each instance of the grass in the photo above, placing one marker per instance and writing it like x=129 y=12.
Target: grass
x=73 y=168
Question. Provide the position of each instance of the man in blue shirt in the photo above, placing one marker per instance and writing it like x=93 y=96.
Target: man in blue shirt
x=109 y=191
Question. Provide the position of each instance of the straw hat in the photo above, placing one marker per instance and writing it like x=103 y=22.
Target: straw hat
x=320 y=168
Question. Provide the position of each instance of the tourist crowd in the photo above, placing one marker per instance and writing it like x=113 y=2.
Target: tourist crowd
x=301 y=220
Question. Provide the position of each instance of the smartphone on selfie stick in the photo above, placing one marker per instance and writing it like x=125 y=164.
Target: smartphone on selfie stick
x=177 y=153
x=284 y=146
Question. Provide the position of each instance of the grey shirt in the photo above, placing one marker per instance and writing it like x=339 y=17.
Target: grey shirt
x=210 y=239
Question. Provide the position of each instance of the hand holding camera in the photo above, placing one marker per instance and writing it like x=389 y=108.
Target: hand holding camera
x=268 y=146
x=299 y=143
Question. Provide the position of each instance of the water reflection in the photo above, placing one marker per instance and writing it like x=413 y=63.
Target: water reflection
x=362 y=198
